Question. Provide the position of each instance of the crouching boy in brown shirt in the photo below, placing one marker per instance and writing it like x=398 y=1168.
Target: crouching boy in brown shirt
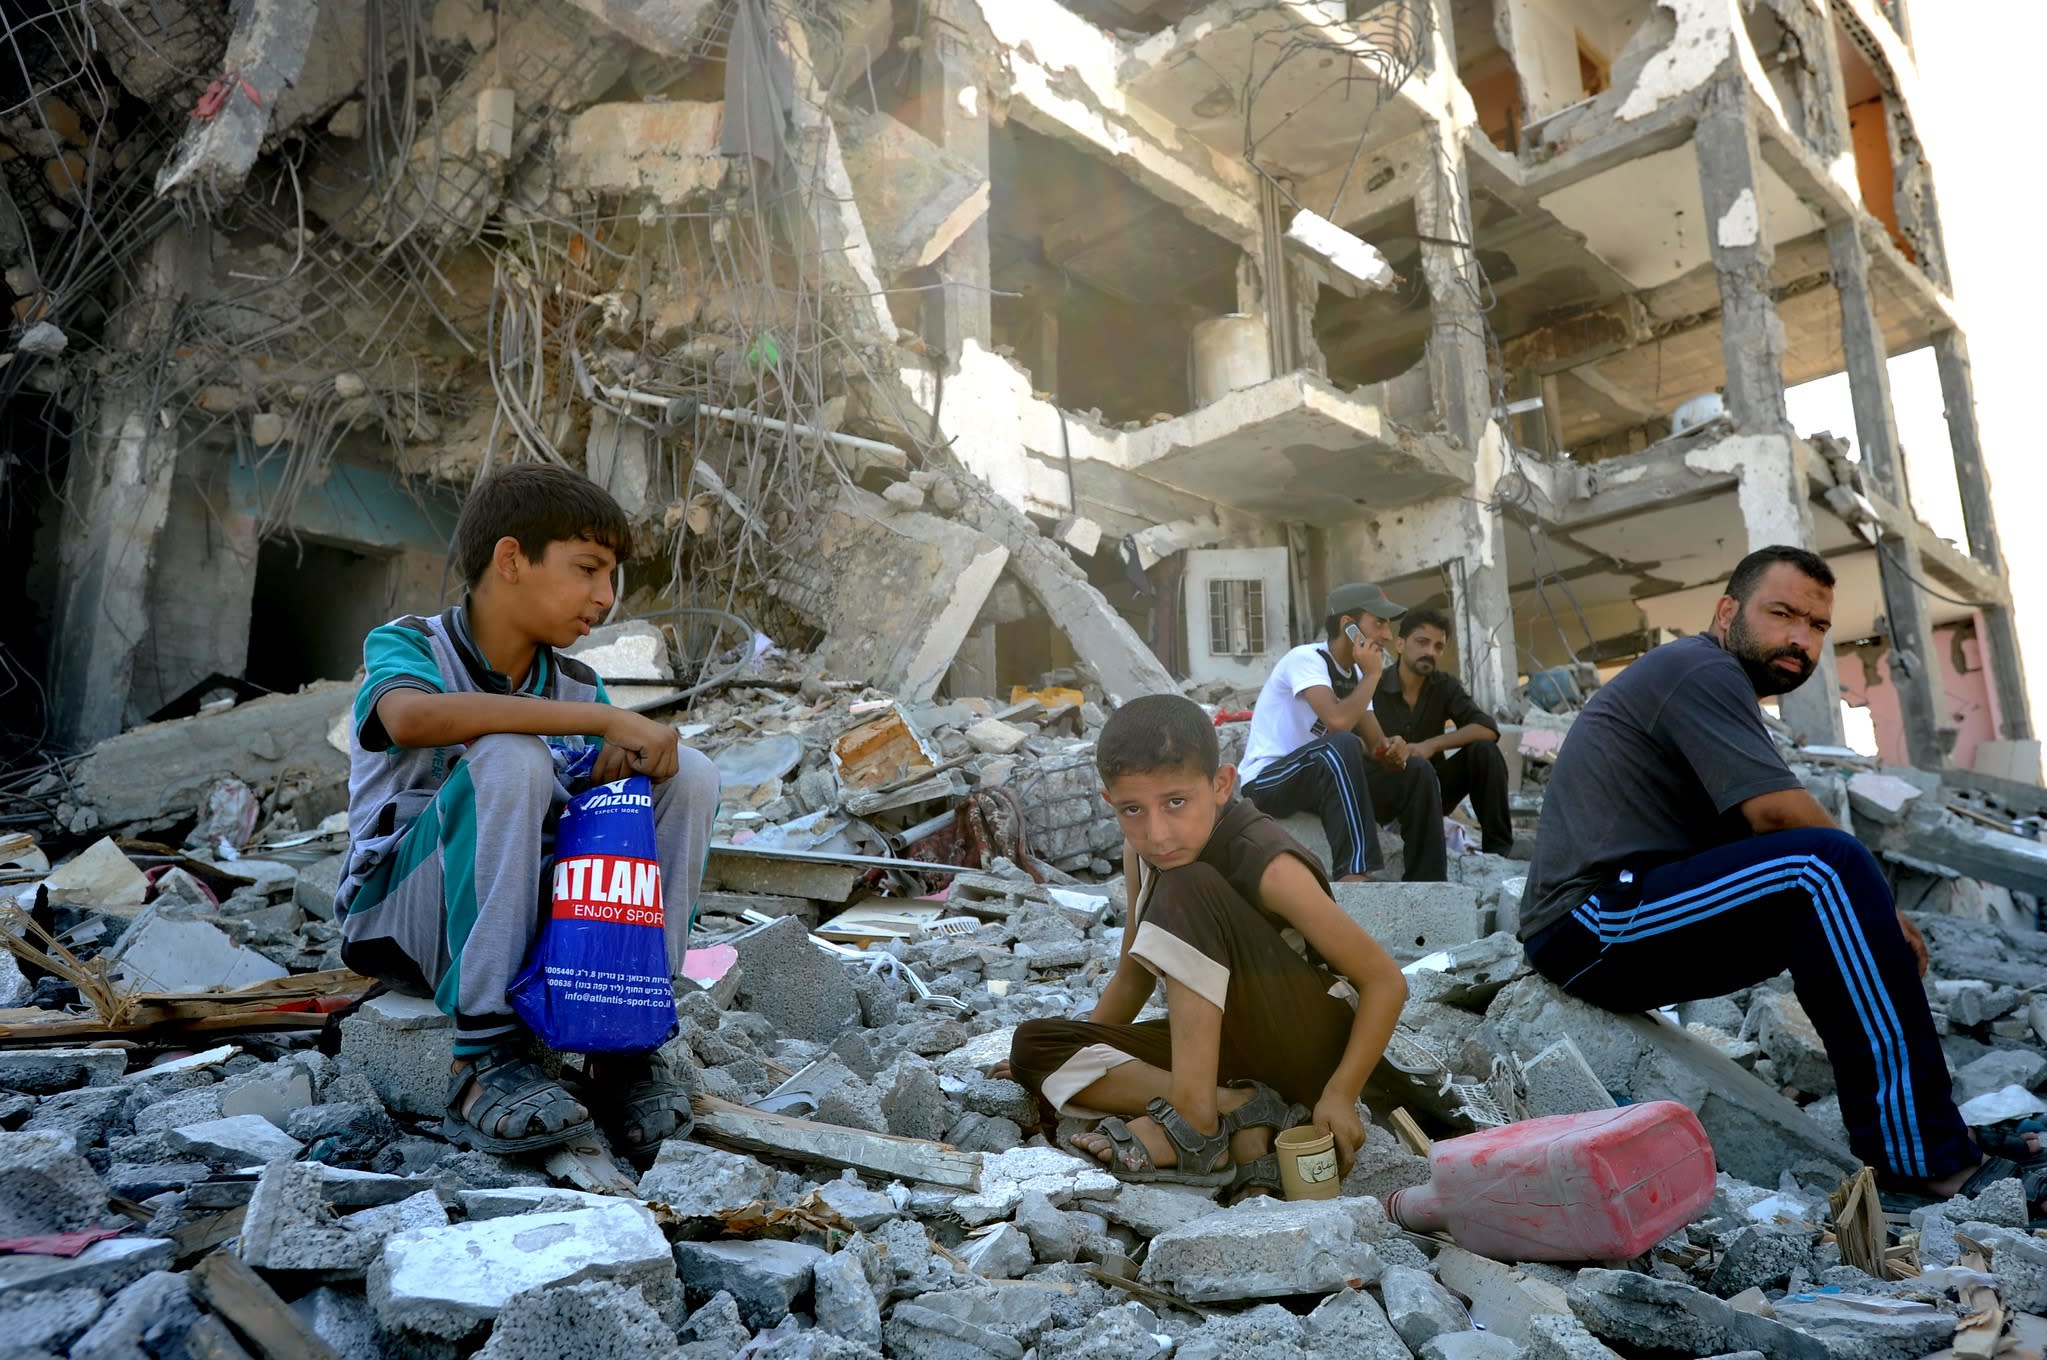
x=1278 y=1006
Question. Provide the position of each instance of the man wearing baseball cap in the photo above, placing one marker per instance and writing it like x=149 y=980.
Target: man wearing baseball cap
x=1315 y=746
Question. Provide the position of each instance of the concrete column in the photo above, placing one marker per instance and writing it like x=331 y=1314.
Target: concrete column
x=1776 y=507
x=955 y=97
x=1914 y=668
x=1751 y=336
x=1972 y=475
x=117 y=496
x=1462 y=382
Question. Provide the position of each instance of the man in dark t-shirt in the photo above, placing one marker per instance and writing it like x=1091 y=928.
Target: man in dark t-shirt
x=1428 y=708
x=1679 y=857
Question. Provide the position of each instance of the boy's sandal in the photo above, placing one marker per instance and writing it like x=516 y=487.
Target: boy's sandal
x=510 y=1086
x=638 y=1101
x=1266 y=1109
x=1259 y=1176
x=1130 y=1160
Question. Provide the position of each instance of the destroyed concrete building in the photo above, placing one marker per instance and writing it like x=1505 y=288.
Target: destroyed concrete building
x=1494 y=302
x=1132 y=325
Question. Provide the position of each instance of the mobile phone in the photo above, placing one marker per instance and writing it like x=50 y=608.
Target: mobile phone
x=1355 y=634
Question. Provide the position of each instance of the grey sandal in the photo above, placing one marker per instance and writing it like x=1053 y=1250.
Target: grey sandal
x=510 y=1086
x=1130 y=1160
x=1266 y=1109
x=1259 y=1176
x=649 y=1105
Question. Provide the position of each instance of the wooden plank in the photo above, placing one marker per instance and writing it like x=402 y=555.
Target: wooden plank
x=1410 y=1133
x=881 y=1154
x=202 y=1235
x=241 y=1296
x=1982 y=1313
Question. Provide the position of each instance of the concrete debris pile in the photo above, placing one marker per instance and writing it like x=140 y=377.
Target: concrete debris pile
x=857 y=1185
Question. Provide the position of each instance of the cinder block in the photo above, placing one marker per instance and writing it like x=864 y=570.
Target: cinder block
x=1413 y=919
x=405 y=1046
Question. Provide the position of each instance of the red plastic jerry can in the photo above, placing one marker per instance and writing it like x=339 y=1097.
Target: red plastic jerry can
x=1601 y=1186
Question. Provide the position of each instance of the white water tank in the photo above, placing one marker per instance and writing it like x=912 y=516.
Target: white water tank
x=1226 y=353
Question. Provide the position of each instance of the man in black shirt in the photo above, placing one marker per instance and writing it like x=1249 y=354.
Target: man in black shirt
x=1679 y=857
x=1417 y=701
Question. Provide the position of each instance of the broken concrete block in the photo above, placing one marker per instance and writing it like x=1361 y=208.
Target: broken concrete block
x=842 y=1299
x=1844 y=1331
x=49 y=1324
x=510 y=1200
x=290 y=1225
x=46 y=1071
x=577 y=1321
x=46 y=1186
x=999 y=1253
x=1503 y=1300
x=275 y=1091
x=1007 y=1177
x=865 y=1209
x=1351 y=1324
x=159 y=953
x=788 y=979
x=1418 y=1307
x=695 y=1181
x=314 y=888
x=1787 y=1035
x=992 y=737
x=1645 y=1312
x=667 y=151
x=1254 y=1334
x=99 y=876
x=1053 y=1236
x=1762 y=1256
x=1998 y=1069
x=1562 y=1338
x=105 y=1267
x=242 y=1140
x=1881 y=799
x=1264 y=1248
x=915 y=197
x=1152 y=1210
x=448 y=1282
x=765 y=1278
x=404 y=1045
x=1560 y=1081
x=1412 y=919
x=1755 y=1131
x=1469 y=1346
x=867 y=582
x=914 y=1330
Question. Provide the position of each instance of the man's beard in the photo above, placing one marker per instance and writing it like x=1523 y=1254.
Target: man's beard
x=1760 y=663
x=1423 y=665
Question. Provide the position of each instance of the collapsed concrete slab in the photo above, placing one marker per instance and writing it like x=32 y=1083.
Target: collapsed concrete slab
x=869 y=583
x=449 y=1282
x=154 y=776
x=161 y=953
x=1967 y=848
x=917 y=198
x=673 y=28
x=1267 y=1248
x=1755 y=1131
x=290 y=1224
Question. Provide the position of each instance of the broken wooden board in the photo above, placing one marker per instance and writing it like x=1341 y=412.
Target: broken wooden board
x=240 y=1295
x=880 y=1154
x=300 y=1002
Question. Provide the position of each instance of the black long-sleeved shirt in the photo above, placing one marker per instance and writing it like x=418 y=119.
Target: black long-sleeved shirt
x=1443 y=702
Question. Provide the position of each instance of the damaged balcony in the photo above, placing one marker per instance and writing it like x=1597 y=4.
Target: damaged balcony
x=1290 y=85
x=1297 y=448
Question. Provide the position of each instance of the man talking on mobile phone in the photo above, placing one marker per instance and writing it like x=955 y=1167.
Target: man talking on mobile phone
x=1316 y=747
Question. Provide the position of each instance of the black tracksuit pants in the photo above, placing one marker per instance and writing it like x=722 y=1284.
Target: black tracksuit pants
x=1479 y=772
x=1352 y=793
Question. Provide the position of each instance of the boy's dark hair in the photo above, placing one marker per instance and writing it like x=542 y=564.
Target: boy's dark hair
x=1424 y=618
x=538 y=504
x=1156 y=732
x=1748 y=573
x=1333 y=625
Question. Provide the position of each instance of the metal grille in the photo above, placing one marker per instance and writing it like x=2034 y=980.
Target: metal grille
x=1236 y=618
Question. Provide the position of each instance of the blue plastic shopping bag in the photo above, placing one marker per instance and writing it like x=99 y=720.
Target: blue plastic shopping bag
x=597 y=980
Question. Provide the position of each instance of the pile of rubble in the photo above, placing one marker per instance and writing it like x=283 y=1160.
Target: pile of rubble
x=200 y=1160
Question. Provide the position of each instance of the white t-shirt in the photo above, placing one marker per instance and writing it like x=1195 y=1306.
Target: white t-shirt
x=1282 y=722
